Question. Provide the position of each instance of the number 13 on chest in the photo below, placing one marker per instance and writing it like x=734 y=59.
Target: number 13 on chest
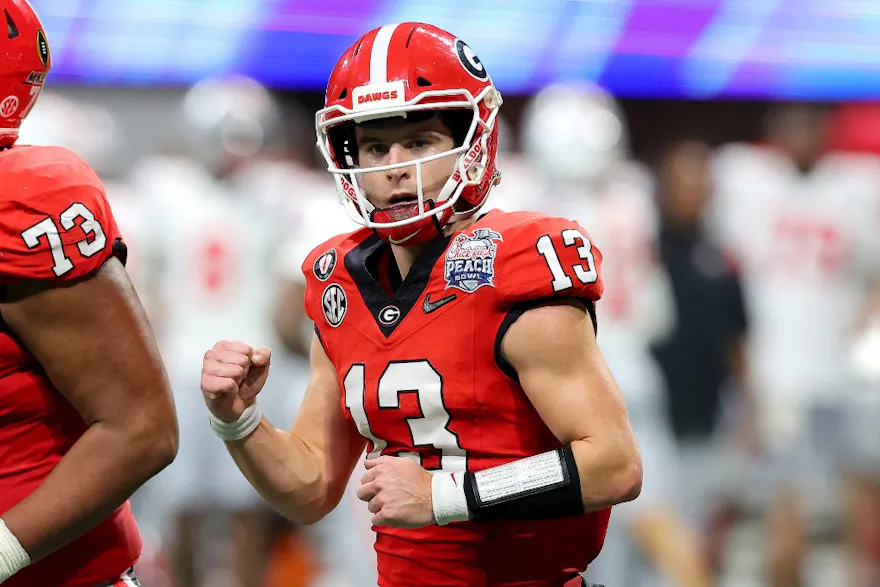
x=428 y=429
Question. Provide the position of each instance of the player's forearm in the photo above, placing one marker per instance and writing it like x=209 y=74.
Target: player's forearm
x=102 y=470
x=578 y=478
x=285 y=470
x=610 y=472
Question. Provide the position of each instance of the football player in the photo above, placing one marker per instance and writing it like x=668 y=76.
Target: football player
x=458 y=348
x=212 y=272
x=801 y=221
x=86 y=414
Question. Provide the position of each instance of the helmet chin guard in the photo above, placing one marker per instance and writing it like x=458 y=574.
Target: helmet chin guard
x=423 y=230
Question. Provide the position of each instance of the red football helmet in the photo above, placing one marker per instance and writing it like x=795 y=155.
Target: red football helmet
x=390 y=72
x=24 y=63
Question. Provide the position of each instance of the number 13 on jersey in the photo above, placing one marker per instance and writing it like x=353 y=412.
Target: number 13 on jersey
x=561 y=280
x=429 y=430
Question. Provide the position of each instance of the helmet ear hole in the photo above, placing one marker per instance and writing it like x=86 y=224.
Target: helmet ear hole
x=11 y=29
x=343 y=145
x=459 y=122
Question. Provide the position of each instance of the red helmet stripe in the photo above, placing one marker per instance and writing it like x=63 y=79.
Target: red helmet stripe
x=379 y=54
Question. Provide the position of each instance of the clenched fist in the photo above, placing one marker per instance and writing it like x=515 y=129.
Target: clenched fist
x=233 y=374
x=398 y=492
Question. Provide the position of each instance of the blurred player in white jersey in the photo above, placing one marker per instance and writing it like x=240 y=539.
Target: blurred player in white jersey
x=215 y=243
x=862 y=459
x=304 y=204
x=855 y=128
x=804 y=224
x=576 y=136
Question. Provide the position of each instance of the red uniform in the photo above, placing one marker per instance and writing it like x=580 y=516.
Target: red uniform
x=423 y=377
x=55 y=225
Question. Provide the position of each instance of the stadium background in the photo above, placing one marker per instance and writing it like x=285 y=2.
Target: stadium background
x=688 y=69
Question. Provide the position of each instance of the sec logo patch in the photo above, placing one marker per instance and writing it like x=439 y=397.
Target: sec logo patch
x=9 y=106
x=334 y=304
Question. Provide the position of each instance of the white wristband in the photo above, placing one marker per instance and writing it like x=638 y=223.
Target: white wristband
x=449 y=500
x=242 y=428
x=13 y=557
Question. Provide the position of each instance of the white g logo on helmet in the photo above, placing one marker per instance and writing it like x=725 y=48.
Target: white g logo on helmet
x=470 y=61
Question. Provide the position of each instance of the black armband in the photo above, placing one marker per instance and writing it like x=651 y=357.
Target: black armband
x=541 y=487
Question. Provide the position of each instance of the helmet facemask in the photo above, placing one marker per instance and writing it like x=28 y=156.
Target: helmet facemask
x=472 y=129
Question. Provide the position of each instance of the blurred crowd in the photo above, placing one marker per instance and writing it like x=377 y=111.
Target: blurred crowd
x=741 y=319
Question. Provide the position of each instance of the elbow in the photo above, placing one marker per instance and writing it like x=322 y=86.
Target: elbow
x=312 y=516
x=163 y=449
x=331 y=496
x=631 y=485
x=325 y=502
x=307 y=501
x=166 y=446
x=629 y=478
x=304 y=514
x=157 y=443
x=615 y=467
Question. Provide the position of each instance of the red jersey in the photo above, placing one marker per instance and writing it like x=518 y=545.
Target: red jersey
x=423 y=377
x=55 y=225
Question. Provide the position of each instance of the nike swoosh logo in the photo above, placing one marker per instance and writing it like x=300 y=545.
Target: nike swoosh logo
x=430 y=306
x=403 y=240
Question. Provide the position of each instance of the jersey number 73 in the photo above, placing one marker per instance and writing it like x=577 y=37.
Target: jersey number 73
x=68 y=219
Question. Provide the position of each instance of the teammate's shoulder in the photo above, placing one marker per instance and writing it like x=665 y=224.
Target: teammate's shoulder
x=57 y=222
x=49 y=166
x=322 y=260
x=36 y=176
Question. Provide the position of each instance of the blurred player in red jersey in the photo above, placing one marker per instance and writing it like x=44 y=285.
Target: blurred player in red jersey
x=458 y=348
x=86 y=414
